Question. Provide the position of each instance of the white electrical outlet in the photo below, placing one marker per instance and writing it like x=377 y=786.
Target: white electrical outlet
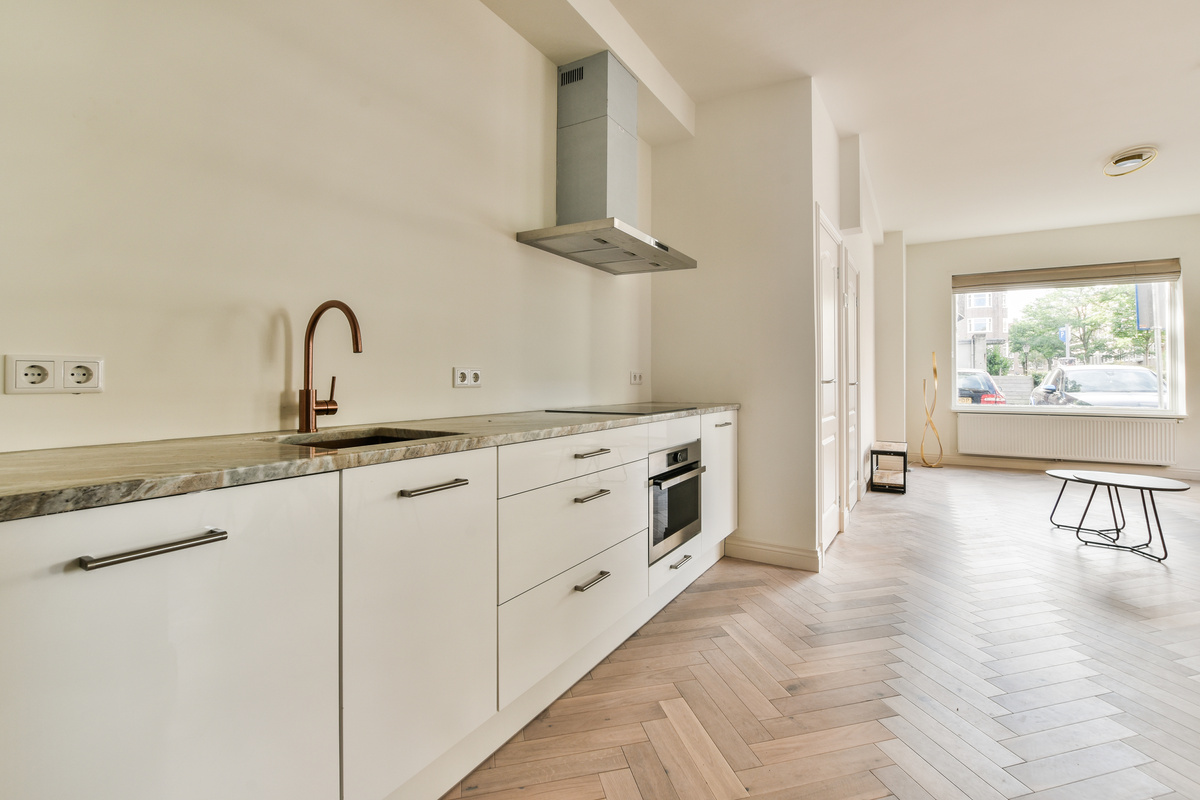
x=474 y=377
x=82 y=374
x=26 y=374
x=30 y=374
x=635 y=379
x=462 y=377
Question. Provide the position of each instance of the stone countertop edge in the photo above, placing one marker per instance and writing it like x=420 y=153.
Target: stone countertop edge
x=35 y=483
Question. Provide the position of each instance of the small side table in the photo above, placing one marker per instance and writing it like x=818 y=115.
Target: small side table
x=889 y=480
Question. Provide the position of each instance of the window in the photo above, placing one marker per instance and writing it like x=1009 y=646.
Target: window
x=1088 y=339
x=979 y=300
x=979 y=325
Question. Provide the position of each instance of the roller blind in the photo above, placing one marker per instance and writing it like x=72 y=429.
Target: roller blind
x=1165 y=269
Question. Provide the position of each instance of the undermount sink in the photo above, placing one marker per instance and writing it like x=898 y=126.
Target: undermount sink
x=361 y=437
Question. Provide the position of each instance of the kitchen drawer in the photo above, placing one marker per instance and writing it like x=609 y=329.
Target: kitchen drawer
x=672 y=432
x=529 y=465
x=542 y=628
x=683 y=560
x=547 y=530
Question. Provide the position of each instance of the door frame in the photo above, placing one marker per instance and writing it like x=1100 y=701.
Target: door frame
x=851 y=451
x=821 y=221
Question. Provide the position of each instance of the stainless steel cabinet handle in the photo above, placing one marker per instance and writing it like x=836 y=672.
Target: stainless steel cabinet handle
x=591 y=497
x=441 y=487
x=831 y=380
x=682 y=561
x=667 y=484
x=214 y=535
x=722 y=425
x=602 y=451
x=852 y=383
x=584 y=587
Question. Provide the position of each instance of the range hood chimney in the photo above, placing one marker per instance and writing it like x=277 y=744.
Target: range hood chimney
x=597 y=174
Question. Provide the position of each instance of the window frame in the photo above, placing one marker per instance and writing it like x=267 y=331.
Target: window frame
x=1138 y=272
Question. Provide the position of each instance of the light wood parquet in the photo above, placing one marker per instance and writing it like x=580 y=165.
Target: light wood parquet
x=956 y=647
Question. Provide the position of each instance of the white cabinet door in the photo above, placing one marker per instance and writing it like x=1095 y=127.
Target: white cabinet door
x=419 y=614
x=718 y=448
x=195 y=674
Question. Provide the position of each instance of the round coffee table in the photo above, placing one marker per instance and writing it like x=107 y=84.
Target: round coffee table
x=1068 y=476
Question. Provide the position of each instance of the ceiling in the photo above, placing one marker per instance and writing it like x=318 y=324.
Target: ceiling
x=977 y=117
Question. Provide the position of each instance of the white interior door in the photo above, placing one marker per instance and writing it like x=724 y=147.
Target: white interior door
x=828 y=323
x=853 y=451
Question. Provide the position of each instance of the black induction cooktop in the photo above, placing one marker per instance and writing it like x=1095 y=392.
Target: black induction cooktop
x=634 y=409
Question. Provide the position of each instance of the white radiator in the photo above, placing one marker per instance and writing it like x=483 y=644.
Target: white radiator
x=1118 y=440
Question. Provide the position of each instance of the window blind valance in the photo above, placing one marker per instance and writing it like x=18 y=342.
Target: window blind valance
x=1160 y=270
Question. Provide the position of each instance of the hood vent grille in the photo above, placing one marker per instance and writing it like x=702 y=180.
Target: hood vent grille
x=597 y=174
x=570 y=76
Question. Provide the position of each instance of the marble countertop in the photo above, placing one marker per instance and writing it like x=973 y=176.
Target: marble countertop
x=38 y=482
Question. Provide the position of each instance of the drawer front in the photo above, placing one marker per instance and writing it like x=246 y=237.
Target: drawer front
x=529 y=465
x=550 y=529
x=683 y=560
x=672 y=432
x=542 y=628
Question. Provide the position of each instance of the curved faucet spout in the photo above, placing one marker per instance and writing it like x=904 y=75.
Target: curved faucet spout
x=310 y=406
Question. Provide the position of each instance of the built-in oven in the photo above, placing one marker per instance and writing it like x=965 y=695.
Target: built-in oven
x=674 y=497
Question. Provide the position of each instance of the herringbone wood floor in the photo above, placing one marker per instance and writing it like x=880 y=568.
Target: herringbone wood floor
x=956 y=647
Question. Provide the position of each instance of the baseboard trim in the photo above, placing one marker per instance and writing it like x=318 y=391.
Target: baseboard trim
x=770 y=553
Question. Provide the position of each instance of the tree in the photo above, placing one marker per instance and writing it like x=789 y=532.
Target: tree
x=1091 y=312
x=997 y=364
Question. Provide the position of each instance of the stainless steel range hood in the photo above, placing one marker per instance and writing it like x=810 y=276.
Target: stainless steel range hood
x=597 y=175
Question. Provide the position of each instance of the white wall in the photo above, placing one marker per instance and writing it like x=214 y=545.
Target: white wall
x=738 y=198
x=929 y=308
x=186 y=182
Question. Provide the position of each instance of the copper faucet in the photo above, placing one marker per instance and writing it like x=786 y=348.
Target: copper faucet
x=310 y=406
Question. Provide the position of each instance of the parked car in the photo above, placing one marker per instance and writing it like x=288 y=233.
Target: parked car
x=1098 y=385
x=976 y=387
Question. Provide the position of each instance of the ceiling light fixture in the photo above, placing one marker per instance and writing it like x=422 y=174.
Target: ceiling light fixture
x=1130 y=160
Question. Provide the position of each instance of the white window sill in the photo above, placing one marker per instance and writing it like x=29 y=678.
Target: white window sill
x=1070 y=411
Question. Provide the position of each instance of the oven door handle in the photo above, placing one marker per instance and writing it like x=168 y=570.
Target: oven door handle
x=669 y=482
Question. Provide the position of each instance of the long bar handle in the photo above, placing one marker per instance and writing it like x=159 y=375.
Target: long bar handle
x=722 y=425
x=584 y=587
x=591 y=497
x=682 y=561
x=601 y=452
x=214 y=535
x=667 y=484
x=440 y=487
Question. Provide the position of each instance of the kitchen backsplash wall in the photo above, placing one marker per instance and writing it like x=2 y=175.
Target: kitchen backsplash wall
x=186 y=182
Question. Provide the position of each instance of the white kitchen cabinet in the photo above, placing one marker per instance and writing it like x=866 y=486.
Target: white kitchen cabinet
x=718 y=499
x=194 y=674
x=681 y=566
x=419 y=614
x=528 y=465
x=673 y=432
x=545 y=626
x=546 y=530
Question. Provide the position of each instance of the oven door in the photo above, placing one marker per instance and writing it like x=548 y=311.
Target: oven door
x=674 y=509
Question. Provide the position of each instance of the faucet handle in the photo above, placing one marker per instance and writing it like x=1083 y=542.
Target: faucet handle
x=330 y=406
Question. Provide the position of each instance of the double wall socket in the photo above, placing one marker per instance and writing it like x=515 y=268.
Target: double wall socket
x=635 y=379
x=468 y=377
x=29 y=374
